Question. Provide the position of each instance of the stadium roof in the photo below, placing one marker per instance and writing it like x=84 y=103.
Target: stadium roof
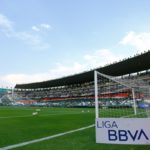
x=127 y=66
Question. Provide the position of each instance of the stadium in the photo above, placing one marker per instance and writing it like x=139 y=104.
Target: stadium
x=78 y=90
x=60 y=113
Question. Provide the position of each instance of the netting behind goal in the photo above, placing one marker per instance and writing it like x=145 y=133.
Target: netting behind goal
x=117 y=97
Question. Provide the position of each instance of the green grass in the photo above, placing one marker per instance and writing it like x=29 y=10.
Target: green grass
x=52 y=121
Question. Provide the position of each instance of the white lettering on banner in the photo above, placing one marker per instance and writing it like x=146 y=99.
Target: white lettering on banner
x=123 y=130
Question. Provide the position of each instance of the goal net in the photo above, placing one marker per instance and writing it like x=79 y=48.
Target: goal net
x=117 y=97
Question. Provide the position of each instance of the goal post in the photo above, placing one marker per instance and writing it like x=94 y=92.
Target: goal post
x=96 y=94
x=134 y=101
x=122 y=116
x=110 y=91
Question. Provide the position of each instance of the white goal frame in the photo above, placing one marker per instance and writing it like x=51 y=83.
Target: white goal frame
x=96 y=73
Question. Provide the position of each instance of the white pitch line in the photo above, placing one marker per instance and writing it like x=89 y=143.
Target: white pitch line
x=16 y=116
x=64 y=114
x=133 y=115
x=40 y=115
x=45 y=138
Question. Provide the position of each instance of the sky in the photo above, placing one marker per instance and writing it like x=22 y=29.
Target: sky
x=47 y=39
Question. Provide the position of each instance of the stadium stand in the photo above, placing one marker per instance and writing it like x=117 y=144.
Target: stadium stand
x=5 y=96
x=78 y=90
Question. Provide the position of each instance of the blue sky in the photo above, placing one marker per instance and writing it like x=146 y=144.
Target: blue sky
x=47 y=39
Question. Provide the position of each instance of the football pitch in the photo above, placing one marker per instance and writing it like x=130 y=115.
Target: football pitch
x=58 y=129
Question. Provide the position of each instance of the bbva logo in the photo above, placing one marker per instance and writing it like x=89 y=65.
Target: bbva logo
x=125 y=135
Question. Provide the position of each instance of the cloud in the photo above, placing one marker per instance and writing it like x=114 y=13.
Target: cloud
x=45 y=26
x=35 y=28
x=61 y=70
x=13 y=79
x=101 y=57
x=58 y=71
x=140 y=41
x=41 y=27
x=6 y=25
x=96 y=59
x=33 y=40
x=36 y=41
